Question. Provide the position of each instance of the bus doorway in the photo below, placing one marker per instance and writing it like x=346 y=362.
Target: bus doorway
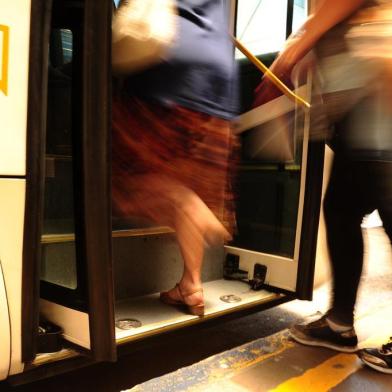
x=271 y=259
x=99 y=277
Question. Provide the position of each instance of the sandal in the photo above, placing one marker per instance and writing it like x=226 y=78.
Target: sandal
x=196 y=309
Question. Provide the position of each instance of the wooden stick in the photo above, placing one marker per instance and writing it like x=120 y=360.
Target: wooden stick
x=278 y=83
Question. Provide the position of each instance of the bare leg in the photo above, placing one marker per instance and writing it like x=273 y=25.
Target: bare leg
x=168 y=202
x=196 y=226
x=191 y=243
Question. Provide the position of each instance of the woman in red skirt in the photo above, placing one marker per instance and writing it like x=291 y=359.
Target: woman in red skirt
x=173 y=146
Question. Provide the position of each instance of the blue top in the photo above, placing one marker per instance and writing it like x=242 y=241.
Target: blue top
x=200 y=72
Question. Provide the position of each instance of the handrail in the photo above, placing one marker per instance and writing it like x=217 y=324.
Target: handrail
x=70 y=237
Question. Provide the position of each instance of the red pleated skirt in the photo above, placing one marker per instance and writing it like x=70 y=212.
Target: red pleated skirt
x=172 y=145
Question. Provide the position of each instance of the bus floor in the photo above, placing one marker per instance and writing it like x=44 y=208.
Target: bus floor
x=253 y=353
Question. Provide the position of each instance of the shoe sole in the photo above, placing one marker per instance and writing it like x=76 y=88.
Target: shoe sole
x=194 y=310
x=318 y=343
x=375 y=367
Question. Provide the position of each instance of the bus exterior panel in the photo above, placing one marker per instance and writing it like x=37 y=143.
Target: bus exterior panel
x=14 y=69
x=12 y=202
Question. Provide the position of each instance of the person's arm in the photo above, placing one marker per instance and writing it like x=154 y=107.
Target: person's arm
x=328 y=14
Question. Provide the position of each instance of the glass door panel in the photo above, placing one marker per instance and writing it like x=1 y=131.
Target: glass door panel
x=261 y=25
x=58 y=246
x=274 y=180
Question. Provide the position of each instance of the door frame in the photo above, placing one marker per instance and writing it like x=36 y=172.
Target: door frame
x=97 y=236
x=94 y=193
x=35 y=173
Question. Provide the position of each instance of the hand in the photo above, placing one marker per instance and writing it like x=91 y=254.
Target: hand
x=288 y=58
x=267 y=90
x=282 y=68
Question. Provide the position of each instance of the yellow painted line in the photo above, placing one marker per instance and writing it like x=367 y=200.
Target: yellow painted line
x=286 y=344
x=323 y=377
x=335 y=370
x=220 y=375
x=5 y=53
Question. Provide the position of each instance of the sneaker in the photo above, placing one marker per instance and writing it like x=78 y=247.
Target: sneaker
x=378 y=358
x=319 y=333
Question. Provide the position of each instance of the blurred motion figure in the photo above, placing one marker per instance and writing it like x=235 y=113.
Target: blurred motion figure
x=352 y=41
x=172 y=142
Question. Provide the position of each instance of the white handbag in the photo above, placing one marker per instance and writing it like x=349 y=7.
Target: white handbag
x=142 y=33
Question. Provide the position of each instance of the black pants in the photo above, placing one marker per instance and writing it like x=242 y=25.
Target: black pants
x=356 y=188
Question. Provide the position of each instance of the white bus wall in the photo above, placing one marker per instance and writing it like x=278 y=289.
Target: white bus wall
x=5 y=330
x=12 y=209
x=14 y=69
